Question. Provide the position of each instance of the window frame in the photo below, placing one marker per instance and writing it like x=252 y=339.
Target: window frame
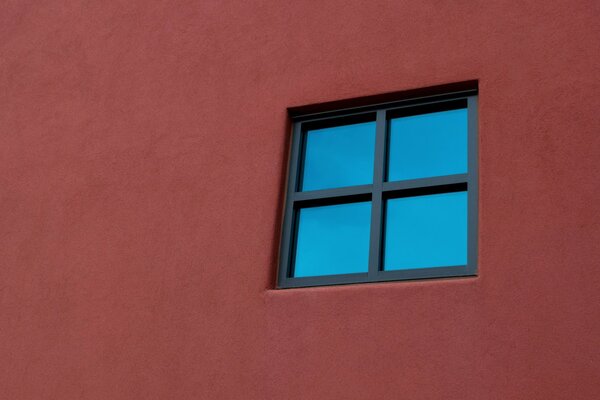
x=380 y=190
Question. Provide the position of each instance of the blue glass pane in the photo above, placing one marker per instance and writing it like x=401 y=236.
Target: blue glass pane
x=426 y=231
x=339 y=156
x=333 y=239
x=428 y=145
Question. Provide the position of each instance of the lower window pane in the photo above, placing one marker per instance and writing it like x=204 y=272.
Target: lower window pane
x=333 y=240
x=426 y=231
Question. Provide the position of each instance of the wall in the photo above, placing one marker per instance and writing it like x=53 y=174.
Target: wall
x=143 y=151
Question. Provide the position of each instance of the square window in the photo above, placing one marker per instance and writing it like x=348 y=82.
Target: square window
x=382 y=191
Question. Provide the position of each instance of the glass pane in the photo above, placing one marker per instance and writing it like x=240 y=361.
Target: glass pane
x=333 y=239
x=428 y=145
x=339 y=156
x=426 y=231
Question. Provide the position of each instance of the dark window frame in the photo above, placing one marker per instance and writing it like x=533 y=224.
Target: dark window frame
x=380 y=190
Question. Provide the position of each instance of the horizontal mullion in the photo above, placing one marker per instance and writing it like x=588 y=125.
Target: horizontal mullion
x=425 y=182
x=331 y=193
x=381 y=276
x=426 y=108
x=386 y=105
x=324 y=280
x=425 y=273
x=368 y=114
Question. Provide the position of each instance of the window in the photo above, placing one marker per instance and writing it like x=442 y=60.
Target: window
x=382 y=192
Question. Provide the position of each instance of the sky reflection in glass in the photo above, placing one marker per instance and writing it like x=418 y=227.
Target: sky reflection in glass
x=428 y=145
x=339 y=156
x=426 y=231
x=333 y=239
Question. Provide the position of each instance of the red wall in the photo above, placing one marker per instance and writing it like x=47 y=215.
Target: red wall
x=142 y=164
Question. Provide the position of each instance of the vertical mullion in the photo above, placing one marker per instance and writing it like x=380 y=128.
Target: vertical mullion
x=285 y=262
x=473 y=186
x=376 y=202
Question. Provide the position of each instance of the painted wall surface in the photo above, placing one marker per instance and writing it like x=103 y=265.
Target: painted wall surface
x=143 y=150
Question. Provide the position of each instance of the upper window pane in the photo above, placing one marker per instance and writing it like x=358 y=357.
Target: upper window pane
x=428 y=145
x=339 y=156
x=333 y=239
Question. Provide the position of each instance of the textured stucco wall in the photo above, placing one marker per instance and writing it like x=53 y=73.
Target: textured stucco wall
x=142 y=162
